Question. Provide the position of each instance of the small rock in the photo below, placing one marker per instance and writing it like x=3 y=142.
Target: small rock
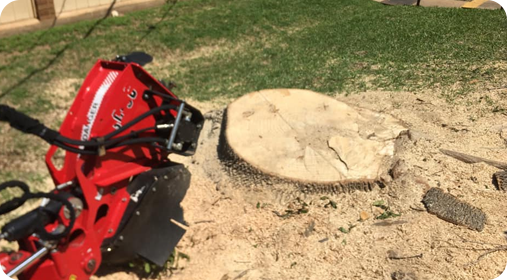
x=414 y=135
x=364 y=216
x=392 y=254
x=386 y=179
x=474 y=179
x=115 y=14
x=400 y=275
x=398 y=168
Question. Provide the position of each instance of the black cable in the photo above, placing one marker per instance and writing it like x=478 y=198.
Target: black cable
x=115 y=142
x=15 y=203
x=164 y=96
x=140 y=118
x=26 y=124
x=132 y=134
x=112 y=145
x=72 y=219
x=140 y=141
x=75 y=150
x=94 y=143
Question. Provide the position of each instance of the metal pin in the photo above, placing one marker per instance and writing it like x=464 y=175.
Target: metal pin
x=177 y=146
x=64 y=185
x=164 y=126
x=99 y=194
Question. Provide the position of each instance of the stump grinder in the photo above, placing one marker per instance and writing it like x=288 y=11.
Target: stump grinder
x=117 y=195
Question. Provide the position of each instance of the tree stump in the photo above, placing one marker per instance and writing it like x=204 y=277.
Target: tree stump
x=308 y=139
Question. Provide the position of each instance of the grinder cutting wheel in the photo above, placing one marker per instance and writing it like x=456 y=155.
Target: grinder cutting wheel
x=117 y=195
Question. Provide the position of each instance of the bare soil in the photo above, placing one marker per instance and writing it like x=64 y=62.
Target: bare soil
x=234 y=232
x=239 y=231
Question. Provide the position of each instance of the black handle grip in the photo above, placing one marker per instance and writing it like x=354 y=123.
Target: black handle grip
x=26 y=123
x=140 y=58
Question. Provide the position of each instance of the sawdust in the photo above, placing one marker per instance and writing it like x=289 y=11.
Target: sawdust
x=235 y=234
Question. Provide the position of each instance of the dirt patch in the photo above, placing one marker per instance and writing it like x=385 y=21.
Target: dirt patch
x=275 y=232
x=236 y=231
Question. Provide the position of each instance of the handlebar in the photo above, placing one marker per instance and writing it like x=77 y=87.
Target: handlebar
x=26 y=124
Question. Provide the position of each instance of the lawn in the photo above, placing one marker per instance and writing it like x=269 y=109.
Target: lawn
x=228 y=48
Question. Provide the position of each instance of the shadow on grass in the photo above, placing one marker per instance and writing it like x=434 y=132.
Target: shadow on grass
x=58 y=55
x=153 y=27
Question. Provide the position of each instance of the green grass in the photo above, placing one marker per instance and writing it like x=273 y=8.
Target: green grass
x=232 y=47
x=228 y=48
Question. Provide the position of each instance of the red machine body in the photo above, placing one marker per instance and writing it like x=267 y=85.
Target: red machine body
x=110 y=97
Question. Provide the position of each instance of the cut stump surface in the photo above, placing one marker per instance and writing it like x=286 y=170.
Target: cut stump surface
x=303 y=136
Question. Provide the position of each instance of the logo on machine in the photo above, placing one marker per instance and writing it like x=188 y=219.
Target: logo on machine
x=94 y=108
x=118 y=115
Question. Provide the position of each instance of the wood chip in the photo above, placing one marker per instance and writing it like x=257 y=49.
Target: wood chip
x=364 y=216
x=473 y=159
x=500 y=180
x=449 y=208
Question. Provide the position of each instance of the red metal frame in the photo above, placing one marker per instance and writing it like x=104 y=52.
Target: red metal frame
x=111 y=95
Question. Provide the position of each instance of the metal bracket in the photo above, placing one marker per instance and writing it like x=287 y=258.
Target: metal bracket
x=176 y=125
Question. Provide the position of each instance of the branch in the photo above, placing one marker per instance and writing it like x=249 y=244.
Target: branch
x=473 y=159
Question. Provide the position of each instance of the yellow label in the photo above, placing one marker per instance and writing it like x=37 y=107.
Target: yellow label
x=73 y=277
